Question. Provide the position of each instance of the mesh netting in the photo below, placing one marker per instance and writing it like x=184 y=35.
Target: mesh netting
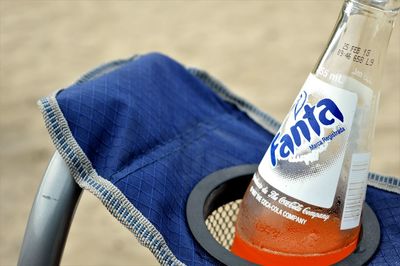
x=221 y=223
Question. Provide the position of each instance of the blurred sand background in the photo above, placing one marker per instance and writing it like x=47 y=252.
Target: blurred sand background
x=257 y=48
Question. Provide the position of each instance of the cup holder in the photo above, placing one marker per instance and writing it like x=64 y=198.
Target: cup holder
x=213 y=205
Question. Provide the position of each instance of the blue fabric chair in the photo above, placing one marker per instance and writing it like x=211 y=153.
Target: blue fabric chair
x=141 y=133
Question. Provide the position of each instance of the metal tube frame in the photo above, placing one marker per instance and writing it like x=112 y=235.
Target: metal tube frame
x=51 y=216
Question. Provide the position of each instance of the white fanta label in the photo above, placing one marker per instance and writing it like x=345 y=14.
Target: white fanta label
x=305 y=158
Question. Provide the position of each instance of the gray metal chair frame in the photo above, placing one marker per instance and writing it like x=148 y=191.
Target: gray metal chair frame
x=51 y=216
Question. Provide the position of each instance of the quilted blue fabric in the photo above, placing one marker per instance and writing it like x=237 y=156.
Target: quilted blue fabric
x=386 y=206
x=154 y=130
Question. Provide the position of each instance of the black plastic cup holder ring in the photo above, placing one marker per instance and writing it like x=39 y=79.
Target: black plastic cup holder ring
x=213 y=205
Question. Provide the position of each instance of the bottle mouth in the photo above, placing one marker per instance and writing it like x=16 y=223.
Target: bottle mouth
x=389 y=6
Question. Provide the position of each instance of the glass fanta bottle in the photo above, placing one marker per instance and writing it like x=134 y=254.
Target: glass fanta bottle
x=304 y=203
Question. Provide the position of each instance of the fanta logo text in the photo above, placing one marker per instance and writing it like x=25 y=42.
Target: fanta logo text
x=324 y=113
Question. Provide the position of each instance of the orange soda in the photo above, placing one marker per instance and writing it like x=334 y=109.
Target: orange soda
x=304 y=204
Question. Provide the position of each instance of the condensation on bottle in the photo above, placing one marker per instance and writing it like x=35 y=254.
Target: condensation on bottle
x=303 y=205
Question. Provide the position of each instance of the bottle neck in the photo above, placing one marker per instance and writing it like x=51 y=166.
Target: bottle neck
x=358 y=44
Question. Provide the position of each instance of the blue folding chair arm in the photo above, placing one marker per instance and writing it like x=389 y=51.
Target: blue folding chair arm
x=51 y=216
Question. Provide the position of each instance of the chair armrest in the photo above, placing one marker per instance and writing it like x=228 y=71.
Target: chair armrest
x=51 y=216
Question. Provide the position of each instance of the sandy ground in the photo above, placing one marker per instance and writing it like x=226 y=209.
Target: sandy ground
x=259 y=49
